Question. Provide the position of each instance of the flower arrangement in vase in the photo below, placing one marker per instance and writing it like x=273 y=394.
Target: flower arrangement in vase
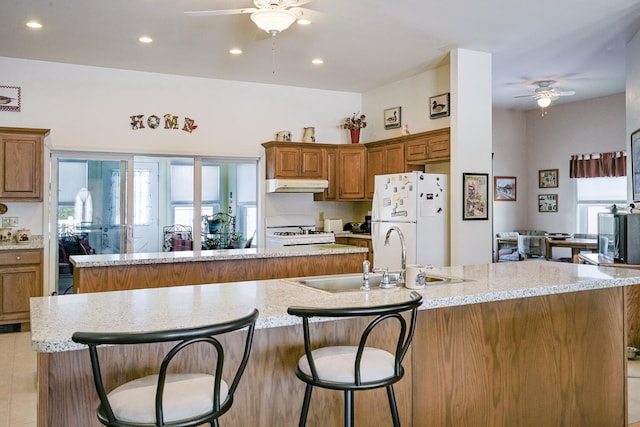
x=354 y=124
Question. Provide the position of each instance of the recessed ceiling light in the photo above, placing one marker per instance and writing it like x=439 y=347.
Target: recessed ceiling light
x=145 y=39
x=303 y=21
x=317 y=61
x=235 y=51
x=34 y=24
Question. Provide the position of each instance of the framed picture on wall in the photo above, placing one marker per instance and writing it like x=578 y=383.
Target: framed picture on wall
x=10 y=98
x=547 y=203
x=392 y=117
x=548 y=178
x=475 y=192
x=635 y=164
x=439 y=106
x=504 y=188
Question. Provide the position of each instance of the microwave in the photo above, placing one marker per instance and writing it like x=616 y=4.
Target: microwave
x=619 y=237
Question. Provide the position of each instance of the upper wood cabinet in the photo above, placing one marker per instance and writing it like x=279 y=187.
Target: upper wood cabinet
x=21 y=164
x=383 y=158
x=427 y=147
x=330 y=174
x=351 y=169
x=293 y=160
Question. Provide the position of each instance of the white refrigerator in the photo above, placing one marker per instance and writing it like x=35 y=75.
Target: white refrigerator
x=418 y=204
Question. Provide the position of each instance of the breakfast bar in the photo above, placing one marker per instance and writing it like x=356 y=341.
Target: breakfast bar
x=500 y=344
x=100 y=273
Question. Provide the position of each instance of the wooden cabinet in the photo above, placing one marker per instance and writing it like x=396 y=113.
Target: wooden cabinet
x=351 y=160
x=344 y=166
x=330 y=174
x=383 y=159
x=361 y=242
x=21 y=164
x=427 y=147
x=20 y=279
x=293 y=160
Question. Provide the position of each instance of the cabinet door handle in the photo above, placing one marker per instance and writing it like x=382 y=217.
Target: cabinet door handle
x=18 y=258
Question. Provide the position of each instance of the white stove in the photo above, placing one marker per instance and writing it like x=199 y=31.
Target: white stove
x=294 y=230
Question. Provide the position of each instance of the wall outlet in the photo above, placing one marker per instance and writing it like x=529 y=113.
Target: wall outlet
x=10 y=221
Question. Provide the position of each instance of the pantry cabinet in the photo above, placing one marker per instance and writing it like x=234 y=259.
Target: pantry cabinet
x=20 y=279
x=21 y=164
x=293 y=160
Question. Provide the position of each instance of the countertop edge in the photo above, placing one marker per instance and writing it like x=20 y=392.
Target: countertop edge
x=81 y=261
x=274 y=296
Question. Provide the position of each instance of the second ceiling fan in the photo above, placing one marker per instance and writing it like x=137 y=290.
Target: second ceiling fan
x=544 y=93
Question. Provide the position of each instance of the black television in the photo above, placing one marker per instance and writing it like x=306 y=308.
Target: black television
x=619 y=237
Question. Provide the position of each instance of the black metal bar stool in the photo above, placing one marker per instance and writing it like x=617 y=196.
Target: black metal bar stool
x=170 y=399
x=351 y=368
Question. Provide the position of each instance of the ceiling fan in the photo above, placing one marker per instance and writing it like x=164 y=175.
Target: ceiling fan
x=544 y=93
x=272 y=16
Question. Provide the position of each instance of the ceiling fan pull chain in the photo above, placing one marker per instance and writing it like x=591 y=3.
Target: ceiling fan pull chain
x=273 y=53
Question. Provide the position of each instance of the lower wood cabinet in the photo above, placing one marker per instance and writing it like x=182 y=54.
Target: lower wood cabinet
x=360 y=242
x=20 y=279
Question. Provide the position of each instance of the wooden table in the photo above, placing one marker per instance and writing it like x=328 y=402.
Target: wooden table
x=576 y=246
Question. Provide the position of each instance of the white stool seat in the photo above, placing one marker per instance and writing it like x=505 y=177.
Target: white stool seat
x=185 y=396
x=337 y=364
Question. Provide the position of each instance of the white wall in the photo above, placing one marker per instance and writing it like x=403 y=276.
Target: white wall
x=88 y=109
x=471 y=140
x=468 y=78
x=632 y=97
x=412 y=94
x=592 y=126
x=509 y=159
x=526 y=142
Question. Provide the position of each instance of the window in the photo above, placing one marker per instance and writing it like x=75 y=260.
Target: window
x=594 y=195
x=181 y=192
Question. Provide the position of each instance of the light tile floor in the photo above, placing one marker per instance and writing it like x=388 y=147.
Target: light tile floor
x=18 y=382
x=633 y=373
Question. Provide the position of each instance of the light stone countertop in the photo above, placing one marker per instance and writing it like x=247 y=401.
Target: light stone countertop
x=36 y=242
x=211 y=255
x=55 y=318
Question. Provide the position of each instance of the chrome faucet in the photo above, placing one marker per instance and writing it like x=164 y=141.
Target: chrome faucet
x=385 y=283
x=403 y=245
x=366 y=265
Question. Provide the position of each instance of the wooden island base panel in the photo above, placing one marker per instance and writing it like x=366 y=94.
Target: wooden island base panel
x=101 y=273
x=531 y=344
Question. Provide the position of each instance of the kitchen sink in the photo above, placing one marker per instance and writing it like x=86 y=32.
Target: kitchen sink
x=353 y=282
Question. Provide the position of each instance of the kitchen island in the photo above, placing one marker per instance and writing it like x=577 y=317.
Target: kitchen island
x=101 y=273
x=528 y=343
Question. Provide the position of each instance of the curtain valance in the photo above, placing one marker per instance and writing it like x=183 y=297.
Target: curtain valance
x=598 y=165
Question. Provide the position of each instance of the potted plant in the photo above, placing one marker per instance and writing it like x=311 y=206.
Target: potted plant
x=237 y=240
x=354 y=123
x=212 y=243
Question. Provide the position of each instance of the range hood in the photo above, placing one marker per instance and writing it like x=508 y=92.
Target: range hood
x=296 y=185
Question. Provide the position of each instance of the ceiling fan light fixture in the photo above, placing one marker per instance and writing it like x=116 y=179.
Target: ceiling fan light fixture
x=273 y=21
x=544 y=102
